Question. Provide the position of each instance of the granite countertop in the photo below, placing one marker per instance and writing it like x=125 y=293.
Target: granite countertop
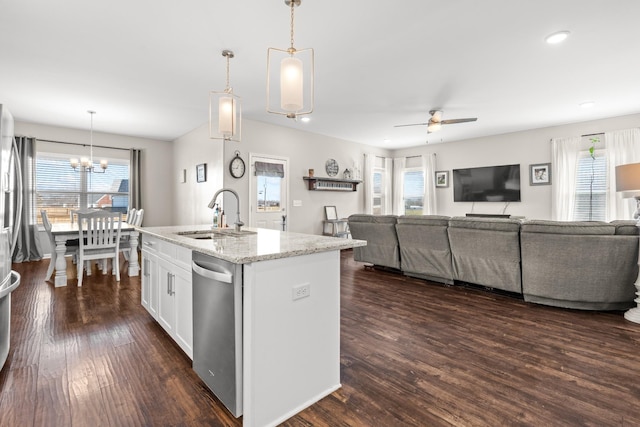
x=260 y=245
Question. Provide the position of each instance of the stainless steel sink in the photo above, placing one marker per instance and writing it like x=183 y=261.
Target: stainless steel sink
x=214 y=233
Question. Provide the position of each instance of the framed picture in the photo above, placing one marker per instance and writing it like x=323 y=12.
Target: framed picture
x=201 y=172
x=442 y=179
x=330 y=212
x=540 y=174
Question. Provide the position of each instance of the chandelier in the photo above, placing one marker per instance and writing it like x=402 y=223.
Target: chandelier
x=85 y=164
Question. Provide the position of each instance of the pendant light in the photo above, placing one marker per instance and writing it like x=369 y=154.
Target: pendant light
x=85 y=164
x=290 y=75
x=225 y=111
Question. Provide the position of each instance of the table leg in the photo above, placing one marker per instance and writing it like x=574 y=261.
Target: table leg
x=134 y=267
x=61 y=261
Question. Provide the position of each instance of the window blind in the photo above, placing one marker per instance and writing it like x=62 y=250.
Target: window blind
x=598 y=204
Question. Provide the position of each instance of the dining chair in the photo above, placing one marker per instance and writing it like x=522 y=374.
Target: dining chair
x=71 y=247
x=138 y=219
x=99 y=237
x=134 y=218
x=131 y=215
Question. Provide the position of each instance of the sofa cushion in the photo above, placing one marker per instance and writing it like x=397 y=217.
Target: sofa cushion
x=626 y=227
x=435 y=220
x=495 y=224
x=569 y=227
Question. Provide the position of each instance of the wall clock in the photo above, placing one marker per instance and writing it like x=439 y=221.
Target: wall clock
x=332 y=167
x=237 y=166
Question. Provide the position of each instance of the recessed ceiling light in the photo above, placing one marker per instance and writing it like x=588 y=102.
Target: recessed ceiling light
x=305 y=119
x=587 y=104
x=557 y=37
x=387 y=140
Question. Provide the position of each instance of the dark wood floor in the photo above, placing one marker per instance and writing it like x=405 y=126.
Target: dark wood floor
x=413 y=354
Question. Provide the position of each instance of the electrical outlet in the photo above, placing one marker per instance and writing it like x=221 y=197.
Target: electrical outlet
x=301 y=291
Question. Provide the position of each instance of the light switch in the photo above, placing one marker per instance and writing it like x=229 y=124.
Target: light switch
x=297 y=203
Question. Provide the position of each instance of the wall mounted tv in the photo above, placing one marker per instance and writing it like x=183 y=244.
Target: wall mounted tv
x=487 y=184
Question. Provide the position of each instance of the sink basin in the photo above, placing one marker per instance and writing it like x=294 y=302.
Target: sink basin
x=217 y=232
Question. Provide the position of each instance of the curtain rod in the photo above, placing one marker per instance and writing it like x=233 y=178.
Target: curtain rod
x=80 y=144
x=592 y=134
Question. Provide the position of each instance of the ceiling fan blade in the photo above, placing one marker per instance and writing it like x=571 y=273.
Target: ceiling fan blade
x=454 y=121
x=413 y=124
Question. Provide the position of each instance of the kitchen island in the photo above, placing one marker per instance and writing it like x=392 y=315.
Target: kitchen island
x=289 y=309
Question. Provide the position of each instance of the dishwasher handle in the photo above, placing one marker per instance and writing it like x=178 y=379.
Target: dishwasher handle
x=210 y=274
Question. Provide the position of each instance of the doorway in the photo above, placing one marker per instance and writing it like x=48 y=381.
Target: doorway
x=269 y=192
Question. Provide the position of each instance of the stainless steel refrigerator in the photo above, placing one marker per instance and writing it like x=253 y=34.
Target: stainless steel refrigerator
x=10 y=206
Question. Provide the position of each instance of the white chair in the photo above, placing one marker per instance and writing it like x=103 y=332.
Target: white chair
x=134 y=218
x=131 y=215
x=71 y=248
x=99 y=236
x=138 y=218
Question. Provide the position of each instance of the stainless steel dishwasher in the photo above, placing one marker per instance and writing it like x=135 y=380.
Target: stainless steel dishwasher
x=217 y=328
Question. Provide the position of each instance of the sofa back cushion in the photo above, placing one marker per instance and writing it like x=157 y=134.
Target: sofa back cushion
x=569 y=227
x=486 y=251
x=424 y=246
x=382 y=242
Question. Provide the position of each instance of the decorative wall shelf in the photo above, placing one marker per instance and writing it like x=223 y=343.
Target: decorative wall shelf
x=315 y=183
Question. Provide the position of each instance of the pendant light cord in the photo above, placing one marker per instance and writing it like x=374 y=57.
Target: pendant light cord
x=292 y=49
x=228 y=89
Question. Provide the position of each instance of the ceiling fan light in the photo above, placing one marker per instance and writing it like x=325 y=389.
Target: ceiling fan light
x=434 y=127
x=436 y=115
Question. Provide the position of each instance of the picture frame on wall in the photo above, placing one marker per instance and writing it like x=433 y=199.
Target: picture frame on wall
x=442 y=179
x=201 y=172
x=540 y=174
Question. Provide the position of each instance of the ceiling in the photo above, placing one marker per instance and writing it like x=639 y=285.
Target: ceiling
x=146 y=66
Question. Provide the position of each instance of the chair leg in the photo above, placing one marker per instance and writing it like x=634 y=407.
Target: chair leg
x=105 y=264
x=80 y=269
x=88 y=267
x=116 y=266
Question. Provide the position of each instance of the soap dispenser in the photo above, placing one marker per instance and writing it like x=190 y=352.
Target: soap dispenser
x=215 y=216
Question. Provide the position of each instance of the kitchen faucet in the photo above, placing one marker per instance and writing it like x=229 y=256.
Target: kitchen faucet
x=212 y=204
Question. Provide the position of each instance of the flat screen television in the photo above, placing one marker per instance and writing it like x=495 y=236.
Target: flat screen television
x=487 y=184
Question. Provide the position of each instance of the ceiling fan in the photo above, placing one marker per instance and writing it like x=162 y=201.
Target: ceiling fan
x=435 y=122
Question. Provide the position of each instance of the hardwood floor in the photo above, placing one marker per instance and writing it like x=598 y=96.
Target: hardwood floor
x=413 y=353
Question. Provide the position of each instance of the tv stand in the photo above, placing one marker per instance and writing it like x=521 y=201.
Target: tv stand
x=481 y=215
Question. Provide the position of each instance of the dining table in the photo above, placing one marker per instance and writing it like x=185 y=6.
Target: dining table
x=65 y=231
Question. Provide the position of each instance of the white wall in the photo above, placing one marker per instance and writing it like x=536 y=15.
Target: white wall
x=526 y=148
x=190 y=199
x=305 y=151
x=155 y=163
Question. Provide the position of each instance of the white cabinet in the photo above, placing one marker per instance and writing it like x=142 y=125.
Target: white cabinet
x=166 y=289
x=149 y=286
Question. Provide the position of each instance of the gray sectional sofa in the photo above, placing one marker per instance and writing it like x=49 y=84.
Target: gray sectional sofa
x=581 y=265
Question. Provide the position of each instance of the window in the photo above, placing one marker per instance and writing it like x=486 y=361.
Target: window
x=413 y=191
x=591 y=205
x=269 y=185
x=61 y=189
x=378 y=191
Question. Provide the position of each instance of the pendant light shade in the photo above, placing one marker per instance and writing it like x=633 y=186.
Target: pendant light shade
x=225 y=111
x=290 y=74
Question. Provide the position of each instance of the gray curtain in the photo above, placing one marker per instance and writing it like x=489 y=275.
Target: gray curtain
x=28 y=247
x=135 y=196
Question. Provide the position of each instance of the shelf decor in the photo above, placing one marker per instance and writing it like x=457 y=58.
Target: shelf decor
x=331 y=184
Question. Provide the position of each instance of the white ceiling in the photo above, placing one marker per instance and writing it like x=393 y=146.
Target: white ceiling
x=146 y=66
